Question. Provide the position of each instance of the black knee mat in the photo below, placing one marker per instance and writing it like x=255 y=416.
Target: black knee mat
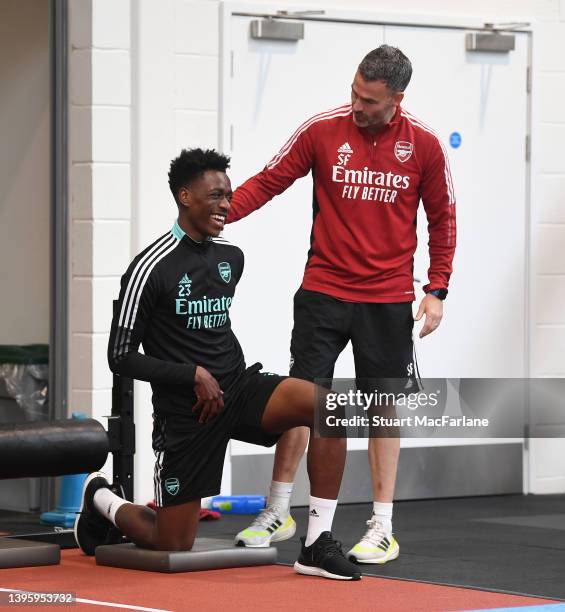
x=206 y=554
x=25 y=553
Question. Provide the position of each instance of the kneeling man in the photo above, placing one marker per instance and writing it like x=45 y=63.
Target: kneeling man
x=174 y=300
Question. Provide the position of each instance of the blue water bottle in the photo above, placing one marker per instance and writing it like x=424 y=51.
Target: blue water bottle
x=238 y=504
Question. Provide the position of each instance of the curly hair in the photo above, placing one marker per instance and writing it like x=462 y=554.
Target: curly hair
x=191 y=164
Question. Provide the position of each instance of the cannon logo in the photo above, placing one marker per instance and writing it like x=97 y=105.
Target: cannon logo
x=224 y=269
x=172 y=486
x=403 y=150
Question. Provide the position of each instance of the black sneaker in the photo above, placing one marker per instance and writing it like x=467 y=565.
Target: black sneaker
x=91 y=528
x=325 y=558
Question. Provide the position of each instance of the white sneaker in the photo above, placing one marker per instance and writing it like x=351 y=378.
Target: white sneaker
x=376 y=546
x=268 y=527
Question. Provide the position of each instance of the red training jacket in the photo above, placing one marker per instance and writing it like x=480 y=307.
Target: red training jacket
x=367 y=188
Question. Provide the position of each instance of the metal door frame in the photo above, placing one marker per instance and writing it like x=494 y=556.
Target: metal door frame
x=59 y=227
x=59 y=224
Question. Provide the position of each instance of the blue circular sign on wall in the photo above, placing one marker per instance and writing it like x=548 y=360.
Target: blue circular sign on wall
x=455 y=140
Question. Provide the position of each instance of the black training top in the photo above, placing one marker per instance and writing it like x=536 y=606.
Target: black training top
x=174 y=300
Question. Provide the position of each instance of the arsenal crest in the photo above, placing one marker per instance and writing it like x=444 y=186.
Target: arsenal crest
x=403 y=150
x=172 y=486
x=224 y=269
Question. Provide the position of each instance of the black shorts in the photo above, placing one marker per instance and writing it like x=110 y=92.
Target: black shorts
x=190 y=455
x=380 y=335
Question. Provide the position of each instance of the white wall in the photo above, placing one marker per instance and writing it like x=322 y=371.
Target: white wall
x=171 y=54
x=100 y=191
x=547 y=323
x=175 y=97
x=24 y=172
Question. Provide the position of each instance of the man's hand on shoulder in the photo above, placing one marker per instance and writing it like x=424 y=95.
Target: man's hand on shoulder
x=432 y=307
x=208 y=394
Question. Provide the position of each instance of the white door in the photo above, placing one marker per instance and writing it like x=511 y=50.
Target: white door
x=465 y=98
x=269 y=88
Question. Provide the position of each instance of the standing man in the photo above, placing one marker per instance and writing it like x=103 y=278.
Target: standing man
x=372 y=162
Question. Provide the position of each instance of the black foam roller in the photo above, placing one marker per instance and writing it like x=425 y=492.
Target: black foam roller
x=52 y=448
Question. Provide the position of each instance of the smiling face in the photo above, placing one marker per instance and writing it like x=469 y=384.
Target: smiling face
x=204 y=204
x=373 y=103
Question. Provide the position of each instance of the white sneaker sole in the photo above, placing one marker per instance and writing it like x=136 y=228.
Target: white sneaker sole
x=276 y=537
x=308 y=570
x=380 y=561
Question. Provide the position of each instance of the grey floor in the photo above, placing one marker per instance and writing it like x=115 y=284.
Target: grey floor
x=507 y=543
x=510 y=543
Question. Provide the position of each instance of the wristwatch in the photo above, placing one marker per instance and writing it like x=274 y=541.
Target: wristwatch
x=439 y=293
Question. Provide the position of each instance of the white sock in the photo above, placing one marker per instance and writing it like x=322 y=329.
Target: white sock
x=108 y=503
x=320 y=517
x=383 y=512
x=279 y=496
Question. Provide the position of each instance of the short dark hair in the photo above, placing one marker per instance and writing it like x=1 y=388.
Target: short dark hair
x=388 y=64
x=191 y=164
